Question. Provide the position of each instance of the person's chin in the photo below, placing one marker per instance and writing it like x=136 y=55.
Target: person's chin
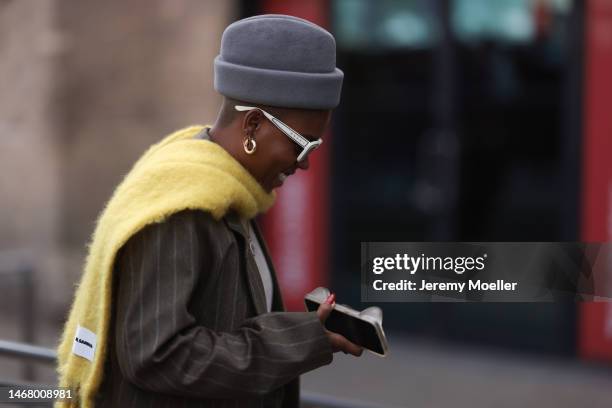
x=269 y=187
x=276 y=183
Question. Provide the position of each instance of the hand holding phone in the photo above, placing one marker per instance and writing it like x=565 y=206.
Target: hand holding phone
x=338 y=341
x=360 y=328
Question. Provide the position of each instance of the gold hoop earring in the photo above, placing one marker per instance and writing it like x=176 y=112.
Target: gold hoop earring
x=249 y=145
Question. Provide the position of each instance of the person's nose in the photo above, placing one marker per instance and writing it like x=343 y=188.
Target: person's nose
x=304 y=164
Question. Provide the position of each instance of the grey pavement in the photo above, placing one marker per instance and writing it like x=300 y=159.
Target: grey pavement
x=419 y=373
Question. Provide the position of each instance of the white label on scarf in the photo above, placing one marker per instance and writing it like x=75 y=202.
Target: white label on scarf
x=84 y=343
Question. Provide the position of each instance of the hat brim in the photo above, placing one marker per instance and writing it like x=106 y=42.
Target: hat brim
x=285 y=89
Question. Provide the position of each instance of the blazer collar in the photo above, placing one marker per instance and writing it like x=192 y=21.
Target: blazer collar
x=233 y=222
x=258 y=294
x=277 y=298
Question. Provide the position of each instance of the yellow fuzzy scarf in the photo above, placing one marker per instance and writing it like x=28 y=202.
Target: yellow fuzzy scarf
x=178 y=173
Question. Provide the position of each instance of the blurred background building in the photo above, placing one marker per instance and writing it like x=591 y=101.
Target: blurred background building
x=461 y=120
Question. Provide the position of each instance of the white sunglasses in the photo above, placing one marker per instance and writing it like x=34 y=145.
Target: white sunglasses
x=306 y=145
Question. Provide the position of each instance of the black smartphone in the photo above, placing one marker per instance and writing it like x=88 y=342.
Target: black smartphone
x=357 y=329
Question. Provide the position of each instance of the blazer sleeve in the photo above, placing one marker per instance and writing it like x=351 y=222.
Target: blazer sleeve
x=161 y=348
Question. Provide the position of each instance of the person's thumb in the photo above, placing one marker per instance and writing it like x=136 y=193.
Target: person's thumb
x=326 y=308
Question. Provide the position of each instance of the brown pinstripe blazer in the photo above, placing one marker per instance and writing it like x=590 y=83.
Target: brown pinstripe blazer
x=189 y=323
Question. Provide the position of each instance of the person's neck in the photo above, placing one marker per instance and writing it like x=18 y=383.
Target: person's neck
x=221 y=136
x=226 y=138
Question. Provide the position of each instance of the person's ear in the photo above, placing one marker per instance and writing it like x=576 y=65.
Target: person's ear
x=252 y=122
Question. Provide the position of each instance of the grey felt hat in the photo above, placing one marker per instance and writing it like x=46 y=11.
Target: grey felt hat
x=279 y=60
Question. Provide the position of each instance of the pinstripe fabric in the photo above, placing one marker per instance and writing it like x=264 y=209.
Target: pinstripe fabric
x=189 y=327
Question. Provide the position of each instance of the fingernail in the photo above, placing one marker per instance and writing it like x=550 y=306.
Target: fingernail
x=331 y=298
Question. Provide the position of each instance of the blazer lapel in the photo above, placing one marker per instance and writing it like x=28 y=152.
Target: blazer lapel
x=277 y=298
x=258 y=295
